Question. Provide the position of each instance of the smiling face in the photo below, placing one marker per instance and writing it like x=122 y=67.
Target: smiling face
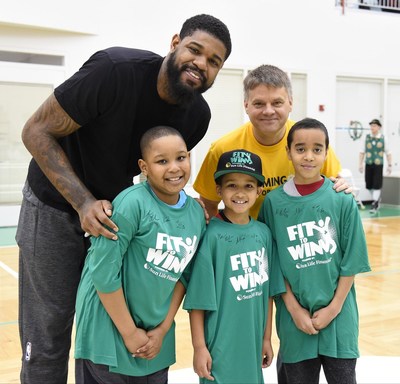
x=239 y=193
x=192 y=65
x=268 y=109
x=166 y=165
x=307 y=152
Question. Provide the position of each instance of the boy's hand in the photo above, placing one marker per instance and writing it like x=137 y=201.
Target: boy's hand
x=136 y=340
x=323 y=317
x=302 y=319
x=202 y=363
x=267 y=354
x=152 y=348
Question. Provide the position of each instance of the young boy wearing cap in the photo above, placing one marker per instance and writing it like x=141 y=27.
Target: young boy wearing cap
x=373 y=150
x=233 y=277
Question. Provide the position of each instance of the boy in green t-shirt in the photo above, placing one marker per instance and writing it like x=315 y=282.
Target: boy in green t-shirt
x=131 y=287
x=322 y=247
x=233 y=277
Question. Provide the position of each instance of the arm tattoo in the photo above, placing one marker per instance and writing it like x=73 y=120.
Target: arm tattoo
x=40 y=135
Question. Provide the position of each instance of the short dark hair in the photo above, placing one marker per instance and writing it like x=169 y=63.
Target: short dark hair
x=211 y=25
x=155 y=133
x=307 y=123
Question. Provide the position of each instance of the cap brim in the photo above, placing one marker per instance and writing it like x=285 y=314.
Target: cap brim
x=259 y=178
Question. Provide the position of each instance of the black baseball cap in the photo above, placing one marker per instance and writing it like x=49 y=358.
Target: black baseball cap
x=240 y=161
x=375 y=121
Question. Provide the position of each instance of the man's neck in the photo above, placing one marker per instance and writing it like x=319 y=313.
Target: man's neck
x=162 y=83
x=269 y=139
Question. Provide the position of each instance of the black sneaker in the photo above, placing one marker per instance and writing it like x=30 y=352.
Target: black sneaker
x=374 y=206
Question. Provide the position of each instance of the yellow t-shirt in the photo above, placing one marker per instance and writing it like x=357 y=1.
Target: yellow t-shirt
x=275 y=163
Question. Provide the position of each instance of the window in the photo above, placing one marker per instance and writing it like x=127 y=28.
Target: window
x=31 y=58
x=17 y=103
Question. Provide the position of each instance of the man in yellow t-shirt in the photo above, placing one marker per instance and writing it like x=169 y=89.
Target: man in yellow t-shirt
x=268 y=102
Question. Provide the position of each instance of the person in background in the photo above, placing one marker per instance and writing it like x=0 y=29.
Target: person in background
x=84 y=140
x=321 y=247
x=268 y=102
x=234 y=275
x=131 y=288
x=372 y=152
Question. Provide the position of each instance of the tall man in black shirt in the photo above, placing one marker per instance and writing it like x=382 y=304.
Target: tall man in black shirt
x=84 y=140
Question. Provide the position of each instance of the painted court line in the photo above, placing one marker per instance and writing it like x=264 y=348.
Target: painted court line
x=5 y=323
x=9 y=270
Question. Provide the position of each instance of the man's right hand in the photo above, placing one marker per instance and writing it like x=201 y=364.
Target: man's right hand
x=40 y=136
x=95 y=219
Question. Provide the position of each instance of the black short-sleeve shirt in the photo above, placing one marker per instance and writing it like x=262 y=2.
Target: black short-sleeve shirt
x=113 y=97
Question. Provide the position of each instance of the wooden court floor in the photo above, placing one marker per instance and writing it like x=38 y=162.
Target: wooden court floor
x=378 y=294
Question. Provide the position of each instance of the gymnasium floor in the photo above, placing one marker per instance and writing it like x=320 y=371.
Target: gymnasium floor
x=379 y=344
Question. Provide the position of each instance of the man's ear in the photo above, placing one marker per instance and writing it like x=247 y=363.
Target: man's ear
x=174 y=42
x=291 y=104
x=246 y=104
x=143 y=166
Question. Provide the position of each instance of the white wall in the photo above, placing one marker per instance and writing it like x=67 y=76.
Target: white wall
x=312 y=36
x=309 y=37
x=292 y=33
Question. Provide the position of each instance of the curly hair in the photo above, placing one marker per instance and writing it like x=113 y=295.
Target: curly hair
x=211 y=25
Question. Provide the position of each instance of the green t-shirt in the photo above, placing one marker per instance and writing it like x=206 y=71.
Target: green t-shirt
x=155 y=245
x=233 y=277
x=320 y=237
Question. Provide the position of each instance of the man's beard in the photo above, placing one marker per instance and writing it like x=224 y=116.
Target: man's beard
x=182 y=94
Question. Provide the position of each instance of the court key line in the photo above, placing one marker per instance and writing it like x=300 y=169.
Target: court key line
x=9 y=270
